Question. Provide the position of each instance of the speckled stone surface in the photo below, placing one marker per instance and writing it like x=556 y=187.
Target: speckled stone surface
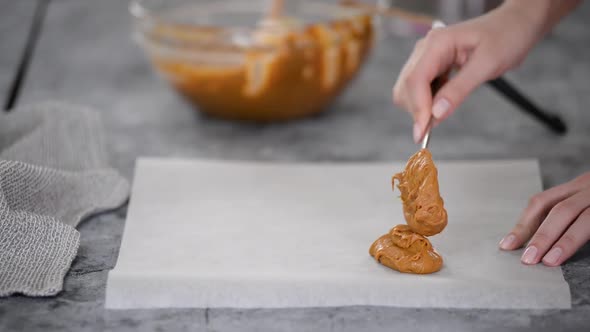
x=86 y=55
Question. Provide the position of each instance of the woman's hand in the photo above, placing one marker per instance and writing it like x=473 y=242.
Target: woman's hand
x=481 y=49
x=557 y=222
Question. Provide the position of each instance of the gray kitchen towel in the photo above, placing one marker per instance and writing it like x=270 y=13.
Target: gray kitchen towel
x=53 y=173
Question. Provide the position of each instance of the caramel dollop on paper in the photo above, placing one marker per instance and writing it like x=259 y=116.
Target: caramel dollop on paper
x=405 y=248
x=405 y=251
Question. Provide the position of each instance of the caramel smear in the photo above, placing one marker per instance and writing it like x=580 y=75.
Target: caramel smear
x=405 y=248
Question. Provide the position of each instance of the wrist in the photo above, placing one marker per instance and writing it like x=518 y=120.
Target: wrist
x=535 y=13
x=541 y=15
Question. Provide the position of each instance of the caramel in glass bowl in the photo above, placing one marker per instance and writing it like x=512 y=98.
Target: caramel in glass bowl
x=248 y=60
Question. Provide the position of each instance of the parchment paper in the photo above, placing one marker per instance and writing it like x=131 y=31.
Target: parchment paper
x=237 y=234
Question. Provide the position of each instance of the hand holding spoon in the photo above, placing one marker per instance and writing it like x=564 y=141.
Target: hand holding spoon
x=434 y=86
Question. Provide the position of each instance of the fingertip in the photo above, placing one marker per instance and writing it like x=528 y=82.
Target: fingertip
x=550 y=265
x=530 y=255
x=509 y=242
x=417 y=132
x=421 y=120
x=553 y=257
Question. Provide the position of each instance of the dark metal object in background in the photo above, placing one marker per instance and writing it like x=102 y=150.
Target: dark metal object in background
x=552 y=121
x=25 y=59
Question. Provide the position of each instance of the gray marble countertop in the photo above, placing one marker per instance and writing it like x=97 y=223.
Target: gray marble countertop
x=85 y=54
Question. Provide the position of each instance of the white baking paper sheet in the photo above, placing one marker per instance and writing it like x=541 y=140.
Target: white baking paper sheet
x=257 y=235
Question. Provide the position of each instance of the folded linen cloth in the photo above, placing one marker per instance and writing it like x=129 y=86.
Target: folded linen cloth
x=53 y=173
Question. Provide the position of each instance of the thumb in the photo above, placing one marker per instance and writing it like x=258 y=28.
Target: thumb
x=477 y=70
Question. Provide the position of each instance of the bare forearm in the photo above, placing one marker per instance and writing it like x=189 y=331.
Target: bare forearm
x=543 y=14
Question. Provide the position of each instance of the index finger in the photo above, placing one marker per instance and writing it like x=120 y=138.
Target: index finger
x=435 y=58
x=537 y=209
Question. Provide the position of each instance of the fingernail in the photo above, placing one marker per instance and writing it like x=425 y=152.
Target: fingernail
x=530 y=255
x=417 y=133
x=552 y=256
x=507 y=242
x=440 y=108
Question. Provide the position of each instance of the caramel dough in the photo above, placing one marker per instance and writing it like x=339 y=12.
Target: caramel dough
x=405 y=251
x=423 y=206
x=405 y=248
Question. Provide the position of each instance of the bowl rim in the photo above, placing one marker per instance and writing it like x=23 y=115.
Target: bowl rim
x=147 y=19
x=140 y=11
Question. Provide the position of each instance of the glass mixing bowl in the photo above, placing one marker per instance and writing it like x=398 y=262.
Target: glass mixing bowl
x=248 y=60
